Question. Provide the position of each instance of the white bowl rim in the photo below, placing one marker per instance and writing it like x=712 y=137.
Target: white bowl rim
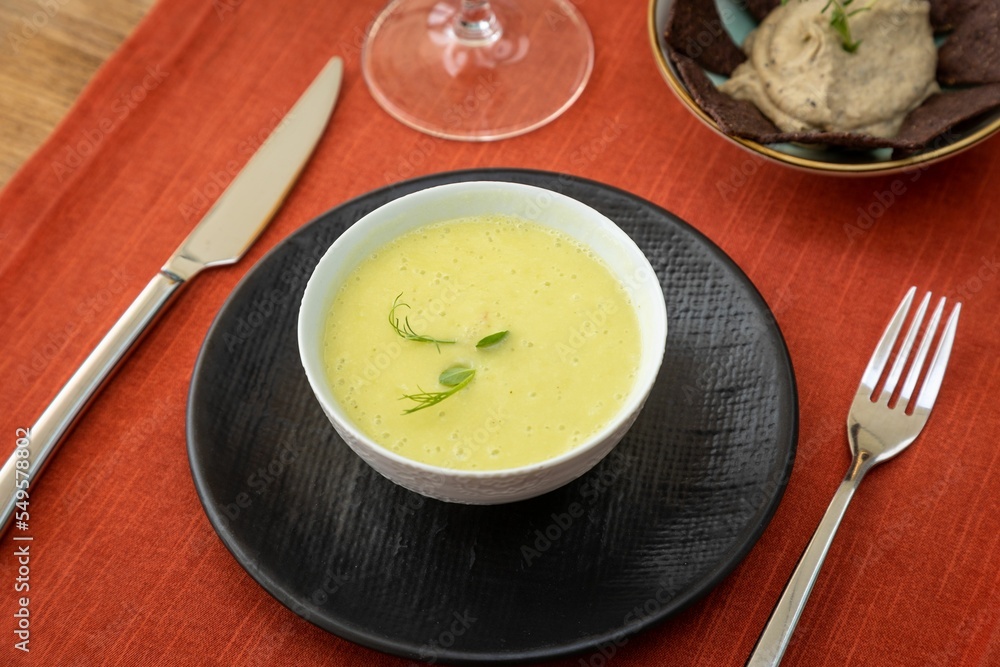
x=638 y=394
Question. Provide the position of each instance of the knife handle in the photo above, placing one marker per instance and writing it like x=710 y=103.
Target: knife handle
x=44 y=437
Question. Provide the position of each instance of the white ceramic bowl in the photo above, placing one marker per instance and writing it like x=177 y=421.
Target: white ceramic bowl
x=446 y=202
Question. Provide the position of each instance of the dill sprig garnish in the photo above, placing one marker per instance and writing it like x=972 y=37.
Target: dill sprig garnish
x=456 y=377
x=406 y=331
x=839 y=21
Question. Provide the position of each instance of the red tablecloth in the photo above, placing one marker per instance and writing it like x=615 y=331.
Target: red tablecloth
x=125 y=568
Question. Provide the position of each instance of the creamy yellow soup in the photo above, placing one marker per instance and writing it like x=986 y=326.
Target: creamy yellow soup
x=563 y=370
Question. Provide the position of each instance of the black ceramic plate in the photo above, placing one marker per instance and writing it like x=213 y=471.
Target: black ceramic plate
x=655 y=526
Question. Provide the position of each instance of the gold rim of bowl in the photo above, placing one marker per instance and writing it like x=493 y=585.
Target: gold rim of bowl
x=880 y=167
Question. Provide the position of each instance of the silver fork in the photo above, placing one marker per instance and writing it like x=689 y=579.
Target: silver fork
x=877 y=432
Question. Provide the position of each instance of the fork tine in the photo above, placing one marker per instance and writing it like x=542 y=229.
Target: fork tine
x=881 y=355
x=904 y=350
x=918 y=362
x=929 y=392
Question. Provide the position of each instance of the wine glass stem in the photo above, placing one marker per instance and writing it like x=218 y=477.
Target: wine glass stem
x=476 y=22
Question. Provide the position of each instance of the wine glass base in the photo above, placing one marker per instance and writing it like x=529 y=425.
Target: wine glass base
x=483 y=87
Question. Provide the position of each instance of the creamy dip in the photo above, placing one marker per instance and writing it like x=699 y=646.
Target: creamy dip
x=562 y=372
x=799 y=75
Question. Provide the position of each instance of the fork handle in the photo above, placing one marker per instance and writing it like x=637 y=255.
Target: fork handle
x=778 y=632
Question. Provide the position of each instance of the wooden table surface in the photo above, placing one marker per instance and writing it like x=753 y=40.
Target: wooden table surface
x=49 y=49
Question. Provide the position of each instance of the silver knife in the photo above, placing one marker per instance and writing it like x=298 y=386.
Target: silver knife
x=222 y=237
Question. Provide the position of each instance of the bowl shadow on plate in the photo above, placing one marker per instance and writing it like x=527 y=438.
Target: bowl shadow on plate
x=654 y=526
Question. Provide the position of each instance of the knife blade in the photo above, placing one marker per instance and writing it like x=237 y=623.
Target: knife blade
x=221 y=237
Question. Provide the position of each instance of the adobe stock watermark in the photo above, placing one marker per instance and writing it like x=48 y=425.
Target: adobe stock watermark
x=782 y=302
x=22 y=539
x=535 y=206
x=716 y=374
x=605 y=652
x=262 y=479
x=583 y=154
x=381 y=358
x=580 y=334
x=973 y=285
x=456 y=627
x=413 y=159
x=707 y=378
x=474 y=439
x=739 y=175
x=350 y=48
x=89 y=140
x=329 y=587
x=666 y=590
x=951 y=654
x=76 y=493
x=596 y=484
x=260 y=312
x=890 y=22
x=913 y=512
x=592 y=149
x=265 y=306
x=85 y=313
x=480 y=95
x=30 y=27
x=269 y=646
x=883 y=200
x=201 y=198
x=116 y=616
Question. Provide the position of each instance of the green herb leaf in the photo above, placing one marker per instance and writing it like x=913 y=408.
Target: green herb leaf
x=405 y=330
x=455 y=375
x=839 y=22
x=492 y=339
x=426 y=399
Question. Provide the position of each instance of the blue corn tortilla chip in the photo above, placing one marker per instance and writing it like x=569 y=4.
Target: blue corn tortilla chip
x=695 y=29
x=970 y=54
x=945 y=14
x=930 y=124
